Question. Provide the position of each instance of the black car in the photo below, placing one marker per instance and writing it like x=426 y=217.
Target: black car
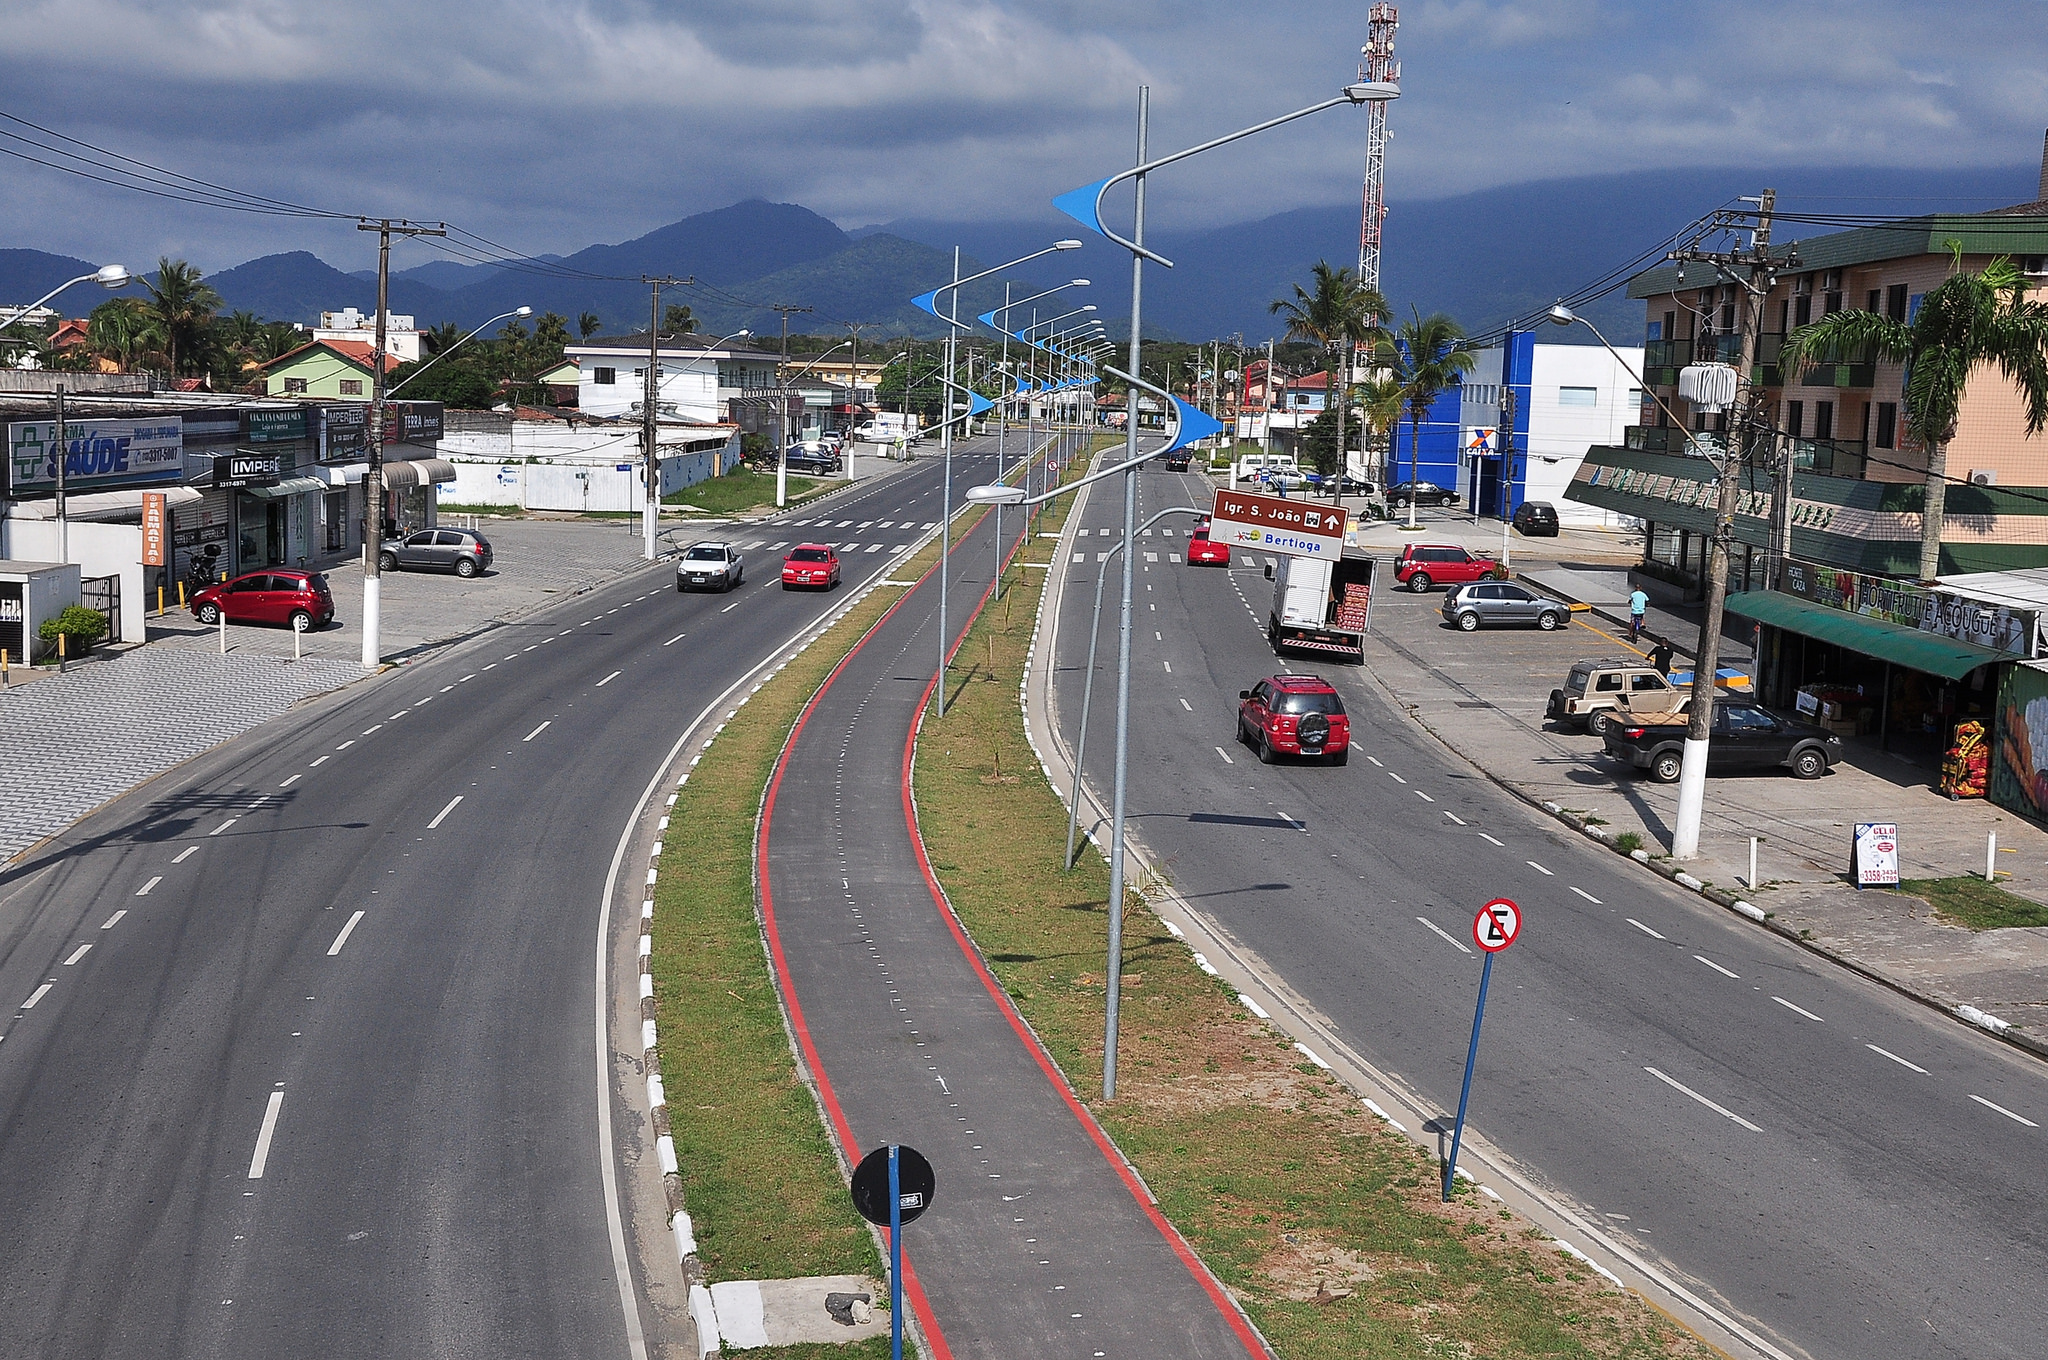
x=1536 y=519
x=1422 y=493
x=1745 y=736
x=462 y=551
x=820 y=460
x=1177 y=461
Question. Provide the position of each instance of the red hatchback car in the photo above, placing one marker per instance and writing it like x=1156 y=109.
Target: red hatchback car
x=811 y=564
x=297 y=598
x=1422 y=565
x=1202 y=548
x=1294 y=715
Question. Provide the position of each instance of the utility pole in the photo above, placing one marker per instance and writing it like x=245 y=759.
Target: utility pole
x=650 y=451
x=782 y=407
x=1751 y=270
x=373 y=479
x=853 y=386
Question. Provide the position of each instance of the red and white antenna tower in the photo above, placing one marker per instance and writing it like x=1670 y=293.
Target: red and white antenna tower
x=1379 y=65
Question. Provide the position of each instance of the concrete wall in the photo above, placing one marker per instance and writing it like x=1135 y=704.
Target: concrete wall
x=589 y=482
x=1559 y=434
x=97 y=549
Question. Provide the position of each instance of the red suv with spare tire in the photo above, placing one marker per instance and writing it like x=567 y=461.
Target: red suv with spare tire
x=1422 y=565
x=1294 y=715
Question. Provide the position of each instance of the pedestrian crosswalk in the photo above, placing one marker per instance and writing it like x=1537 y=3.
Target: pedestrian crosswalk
x=846 y=548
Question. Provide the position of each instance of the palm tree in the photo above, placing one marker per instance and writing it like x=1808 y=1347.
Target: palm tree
x=1970 y=321
x=1380 y=402
x=119 y=329
x=1424 y=359
x=181 y=309
x=589 y=324
x=442 y=338
x=1339 y=313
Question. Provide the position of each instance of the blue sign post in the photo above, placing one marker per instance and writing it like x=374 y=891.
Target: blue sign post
x=1493 y=929
x=896 y=1252
x=906 y=1177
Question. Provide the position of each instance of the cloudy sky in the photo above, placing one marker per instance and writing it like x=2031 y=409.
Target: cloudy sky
x=550 y=124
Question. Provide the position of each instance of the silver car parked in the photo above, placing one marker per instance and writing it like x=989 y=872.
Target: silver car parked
x=709 y=566
x=1490 y=602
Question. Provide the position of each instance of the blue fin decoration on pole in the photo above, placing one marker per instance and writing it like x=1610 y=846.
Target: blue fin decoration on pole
x=977 y=403
x=928 y=301
x=1193 y=424
x=987 y=318
x=1079 y=204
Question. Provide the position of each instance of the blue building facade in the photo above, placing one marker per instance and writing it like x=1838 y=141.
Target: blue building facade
x=1447 y=447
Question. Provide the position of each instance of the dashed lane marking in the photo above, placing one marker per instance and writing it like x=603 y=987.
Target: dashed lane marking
x=2016 y=1118
x=1717 y=967
x=537 y=731
x=1438 y=931
x=1488 y=837
x=185 y=854
x=342 y=938
x=1645 y=929
x=78 y=954
x=1716 y=1108
x=1800 y=1009
x=609 y=678
x=143 y=891
x=1226 y=756
x=1887 y=1053
x=442 y=815
x=113 y=920
x=263 y=1135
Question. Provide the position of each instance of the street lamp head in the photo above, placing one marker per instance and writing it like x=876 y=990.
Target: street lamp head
x=1563 y=315
x=1372 y=91
x=1066 y=245
x=1089 y=308
x=522 y=311
x=112 y=276
x=995 y=494
x=1077 y=283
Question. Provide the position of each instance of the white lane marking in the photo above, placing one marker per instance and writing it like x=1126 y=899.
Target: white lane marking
x=378 y=727
x=1254 y=1007
x=1454 y=817
x=2019 y=1118
x=1396 y=778
x=1295 y=823
x=538 y=730
x=729 y=608
x=530 y=646
x=1376 y=760
x=493 y=666
x=36 y=995
x=289 y=782
x=443 y=813
x=185 y=854
x=1596 y=902
x=1226 y=756
x=1717 y=967
x=1887 y=1053
x=467 y=678
x=263 y=1136
x=1437 y=930
x=1485 y=836
x=1801 y=1009
x=114 y=920
x=1156 y=636
x=1645 y=929
x=1424 y=797
x=342 y=938
x=677 y=638
x=223 y=826
x=1168 y=665
x=78 y=954
x=1717 y=1109
x=399 y=714
x=1186 y=705
x=609 y=678
x=321 y=761
x=1539 y=868
x=345 y=745
x=143 y=891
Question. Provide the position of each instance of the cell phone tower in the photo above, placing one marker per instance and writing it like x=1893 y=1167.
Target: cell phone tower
x=1379 y=65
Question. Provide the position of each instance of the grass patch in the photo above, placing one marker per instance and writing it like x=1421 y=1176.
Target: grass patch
x=739 y=490
x=1324 y=1223
x=1628 y=842
x=1968 y=901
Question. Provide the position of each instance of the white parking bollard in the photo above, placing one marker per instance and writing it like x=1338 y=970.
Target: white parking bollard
x=1991 y=858
x=1752 y=863
x=223 y=616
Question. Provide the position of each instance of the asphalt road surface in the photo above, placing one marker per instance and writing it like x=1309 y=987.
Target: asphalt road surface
x=1849 y=1173
x=299 y=1056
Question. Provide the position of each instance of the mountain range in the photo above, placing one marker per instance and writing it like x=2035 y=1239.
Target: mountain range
x=1483 y=257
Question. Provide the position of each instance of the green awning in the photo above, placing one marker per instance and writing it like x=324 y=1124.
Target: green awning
x=1908 y=647
x=290 y=486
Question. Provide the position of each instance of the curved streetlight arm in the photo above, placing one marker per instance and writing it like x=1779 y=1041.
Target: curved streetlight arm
x=1084 y=205
x=1564 y=316
x=930 y=301
x=517 y=311
x=109 y=275
x=997 y=493
x=988 y=318
x=1025 y=334
x=820 y=359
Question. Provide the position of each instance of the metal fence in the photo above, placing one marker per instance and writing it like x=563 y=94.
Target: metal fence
x=103 y=593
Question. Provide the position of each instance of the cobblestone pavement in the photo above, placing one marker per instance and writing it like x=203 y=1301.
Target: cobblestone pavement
x=73 y=741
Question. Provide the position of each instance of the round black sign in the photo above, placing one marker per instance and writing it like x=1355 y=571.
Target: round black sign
x=871 y=1185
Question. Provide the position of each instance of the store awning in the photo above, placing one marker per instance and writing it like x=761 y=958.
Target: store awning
x=1908 y=647
x=344 y=474
x=104 y=505
x=419 y=472
x=290 y=486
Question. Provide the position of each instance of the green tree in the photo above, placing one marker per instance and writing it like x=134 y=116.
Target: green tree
x=676 y=319
x=1971 y=321
x=1423 y=359
x=459 y=382
x=1338 y=314
x=181 y=310
x=119 y=329
x=589 y=324
x=442 y=338
x=1379 y=400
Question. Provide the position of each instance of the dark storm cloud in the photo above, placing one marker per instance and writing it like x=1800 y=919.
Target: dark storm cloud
x=554 y=124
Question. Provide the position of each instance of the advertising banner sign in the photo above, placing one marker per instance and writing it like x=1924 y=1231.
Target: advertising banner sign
x=153 y=529
x=97 y=453
x=1912 y=606
x=1277 y=524
x=248 y=469
x=1877 y=854
x=344 y=432
x=272 y=427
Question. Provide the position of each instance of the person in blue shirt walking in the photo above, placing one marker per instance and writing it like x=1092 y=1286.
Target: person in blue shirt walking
x=1638 y=605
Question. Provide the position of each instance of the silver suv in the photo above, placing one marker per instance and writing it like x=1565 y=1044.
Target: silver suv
x=462 y=551
x=1595 y=690
x=709 y=566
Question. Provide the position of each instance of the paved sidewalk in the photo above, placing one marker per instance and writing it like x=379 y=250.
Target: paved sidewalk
x=1484 y=695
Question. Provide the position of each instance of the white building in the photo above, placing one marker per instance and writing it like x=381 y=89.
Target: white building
x=401 y=334
x=1577 y=396
x=697 y=379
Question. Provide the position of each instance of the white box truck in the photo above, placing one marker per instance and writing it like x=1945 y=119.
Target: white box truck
x=1322 y=605
x=887 y=427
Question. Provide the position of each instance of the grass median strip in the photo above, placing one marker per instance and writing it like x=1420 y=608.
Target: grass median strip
x=1324 y=1224
x=1968 y=901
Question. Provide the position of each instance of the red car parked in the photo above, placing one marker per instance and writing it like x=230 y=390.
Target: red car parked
x=811 y=564
x=298 y=598
x=1422 y=565
x=1295 y=715
x=1202 y=548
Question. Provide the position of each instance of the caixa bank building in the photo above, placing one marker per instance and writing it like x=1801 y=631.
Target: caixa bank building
x=241 y=483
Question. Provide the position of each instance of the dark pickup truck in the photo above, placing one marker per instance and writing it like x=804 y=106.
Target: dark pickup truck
x=1745 y=736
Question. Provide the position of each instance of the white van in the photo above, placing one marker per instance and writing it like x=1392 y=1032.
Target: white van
x=1252 y=464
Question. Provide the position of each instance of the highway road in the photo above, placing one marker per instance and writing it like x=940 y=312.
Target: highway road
x=301 y=1056
x=1847 y=1172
